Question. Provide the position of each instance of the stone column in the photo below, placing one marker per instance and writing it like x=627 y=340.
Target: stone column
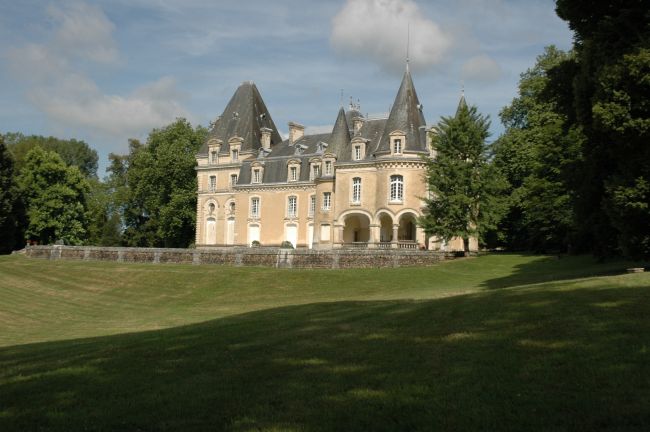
x=395 y=231
x=374 y=235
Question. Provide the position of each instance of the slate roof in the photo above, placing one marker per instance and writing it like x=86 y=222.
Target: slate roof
x=244 y=116
x=251 y=115
x=405 y=115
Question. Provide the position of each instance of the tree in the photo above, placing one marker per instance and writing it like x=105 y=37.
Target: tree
x=464 y=186
x=73 y=152
x=159 y=206
x=536 y=154
x=10 y=206
x=55 y=198
x=610 y=94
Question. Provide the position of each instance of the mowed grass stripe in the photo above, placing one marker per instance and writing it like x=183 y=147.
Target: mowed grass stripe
x=552 y=356
x=75 y=298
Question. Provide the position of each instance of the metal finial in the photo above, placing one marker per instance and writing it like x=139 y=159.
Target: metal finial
x=408 y=43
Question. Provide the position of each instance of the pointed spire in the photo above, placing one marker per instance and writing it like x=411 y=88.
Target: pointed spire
x=406 y=116
x=339 y=142
x=244 y=116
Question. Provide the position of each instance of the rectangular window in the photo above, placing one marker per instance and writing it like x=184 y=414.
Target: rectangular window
x=213 y=183
x=397 y=146
x=293 y=174
x=312 y=205
x=357 y=152
x=356 y=190
x=255 y=207
x=233 y=179
x=235 y=155
x=256 y=176
x=316 y=171
x=328 y=167
x=327 y=200
x=396 y=188
x=214 y=157
x=292 y=206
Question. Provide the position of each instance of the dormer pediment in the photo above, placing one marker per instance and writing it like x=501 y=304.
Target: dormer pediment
x=397 y=133
x=235 y=140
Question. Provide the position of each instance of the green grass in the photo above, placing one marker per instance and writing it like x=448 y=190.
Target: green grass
x=501 y=342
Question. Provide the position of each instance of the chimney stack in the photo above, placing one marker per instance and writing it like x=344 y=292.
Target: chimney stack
x=266 y=138
x=296 y=131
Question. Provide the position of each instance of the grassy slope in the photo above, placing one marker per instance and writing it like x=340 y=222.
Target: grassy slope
x=322 y=350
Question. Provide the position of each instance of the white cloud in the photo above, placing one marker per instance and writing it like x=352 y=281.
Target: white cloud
x=59 y=83
x=481 y=68
x=377 y=30
x=318 y=129
x=83 y=31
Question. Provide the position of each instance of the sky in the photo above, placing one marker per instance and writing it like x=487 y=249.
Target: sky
x=104 y=71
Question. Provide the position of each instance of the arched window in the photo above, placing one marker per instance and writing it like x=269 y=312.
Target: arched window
x=356 y=190
x=211 y=208
x=396 y=188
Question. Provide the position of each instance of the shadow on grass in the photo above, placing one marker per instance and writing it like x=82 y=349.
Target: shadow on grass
x=575 y=358
x=545 y=268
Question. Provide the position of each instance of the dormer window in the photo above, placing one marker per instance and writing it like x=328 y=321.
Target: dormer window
x=328 y=168
x=214 y=145
x=314 y=173
x=234 y=155
x=256 y=175
x=357 y=152
x=293 y=170
x=397 y=146
x=397 y=142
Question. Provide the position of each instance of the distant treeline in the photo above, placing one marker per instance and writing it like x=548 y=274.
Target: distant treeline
x=574 y=157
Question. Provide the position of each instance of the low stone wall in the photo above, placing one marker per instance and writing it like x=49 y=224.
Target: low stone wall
x=242 y=256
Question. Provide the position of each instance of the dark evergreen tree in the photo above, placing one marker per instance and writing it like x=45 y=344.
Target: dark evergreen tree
x=465 y=188
x=10 y=206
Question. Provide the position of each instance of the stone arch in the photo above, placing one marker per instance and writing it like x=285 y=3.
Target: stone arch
x=385 y=219
x=407 y=220
x=356 y=227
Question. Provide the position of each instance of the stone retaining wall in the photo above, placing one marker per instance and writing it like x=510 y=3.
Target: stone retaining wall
x=241 y=256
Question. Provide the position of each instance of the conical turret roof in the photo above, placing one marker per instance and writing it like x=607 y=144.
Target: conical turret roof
x=406 y=116
x=339 y=142
x=244 y=116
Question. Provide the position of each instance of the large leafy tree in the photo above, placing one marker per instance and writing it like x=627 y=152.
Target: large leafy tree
x=611 y=105
x=536 y=153
x=73 y=152
x=10 y=205
x=464 y=186
x=156 y=184
x=55 y=198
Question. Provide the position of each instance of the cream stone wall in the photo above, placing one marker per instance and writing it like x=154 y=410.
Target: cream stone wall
x=375 y=220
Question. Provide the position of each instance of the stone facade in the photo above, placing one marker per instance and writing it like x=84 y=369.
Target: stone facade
x=245 y=256
x=359 y=186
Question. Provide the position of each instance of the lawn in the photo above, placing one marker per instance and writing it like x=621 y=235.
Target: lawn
x=501 y=342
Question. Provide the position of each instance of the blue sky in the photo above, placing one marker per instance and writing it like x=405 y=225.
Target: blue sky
x=107 y=70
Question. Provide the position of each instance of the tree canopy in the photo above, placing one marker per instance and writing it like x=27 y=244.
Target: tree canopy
x=55 y=198
x=72 y=152
x=464 y=187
